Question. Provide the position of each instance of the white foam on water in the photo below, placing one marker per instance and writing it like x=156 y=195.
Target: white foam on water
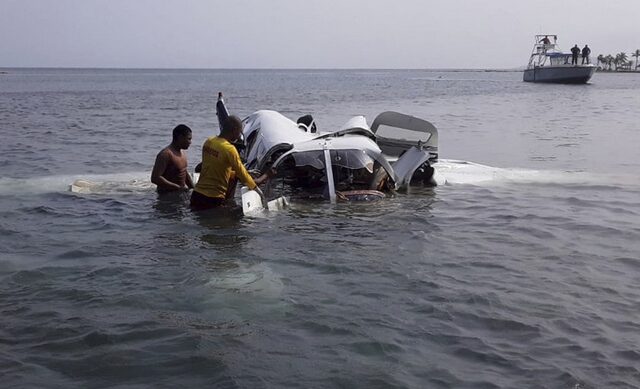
x=131 y=182
x=464 y=172
x=450 y=172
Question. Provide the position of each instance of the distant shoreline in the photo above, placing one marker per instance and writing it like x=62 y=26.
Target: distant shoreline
x=6 y=70
x=10 y=70
x=617 y=71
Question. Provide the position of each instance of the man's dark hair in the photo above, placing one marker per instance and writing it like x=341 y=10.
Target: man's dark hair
x=231 y=123
x=181 y=130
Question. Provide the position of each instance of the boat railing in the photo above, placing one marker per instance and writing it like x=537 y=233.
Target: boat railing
x=538 y=58
x=542 y=48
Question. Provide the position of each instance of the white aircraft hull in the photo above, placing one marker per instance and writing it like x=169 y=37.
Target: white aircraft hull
x=360 y=168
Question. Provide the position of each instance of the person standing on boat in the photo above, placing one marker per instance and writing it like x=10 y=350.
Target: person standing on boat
x=585 y=53
x=545 y=40
x=575 y=51
x=222 y=168
x=170 y=169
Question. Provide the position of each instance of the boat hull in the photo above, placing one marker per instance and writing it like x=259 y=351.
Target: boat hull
x=560 y=74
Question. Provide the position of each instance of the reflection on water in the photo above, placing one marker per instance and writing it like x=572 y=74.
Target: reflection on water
x=214 y=233
x=172 y=204
x=221 y=227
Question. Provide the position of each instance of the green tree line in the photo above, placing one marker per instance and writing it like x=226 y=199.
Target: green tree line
x=618 y=62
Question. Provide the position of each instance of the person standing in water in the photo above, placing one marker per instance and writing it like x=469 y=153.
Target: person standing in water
x=222 y=168
x=170 y=169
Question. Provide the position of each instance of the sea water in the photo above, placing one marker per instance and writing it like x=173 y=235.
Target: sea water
x=521 y=271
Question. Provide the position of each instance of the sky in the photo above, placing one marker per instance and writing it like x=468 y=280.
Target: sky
x=398 y=34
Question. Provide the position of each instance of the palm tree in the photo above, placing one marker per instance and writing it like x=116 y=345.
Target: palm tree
x=622 y=58
x=609 y=59
x=637 y=55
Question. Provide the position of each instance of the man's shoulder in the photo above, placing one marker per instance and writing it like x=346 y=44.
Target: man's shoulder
x=164 y=153
x=214 y=140
x=221 y=143
x=170 y=154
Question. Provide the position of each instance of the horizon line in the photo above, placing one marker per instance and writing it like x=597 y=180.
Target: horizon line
x=248 y=68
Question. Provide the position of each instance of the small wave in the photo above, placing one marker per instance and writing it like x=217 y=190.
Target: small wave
x=374 y=349
x=506 y=326
x=630 y=355
x=485 y=356
x=75 y=254
x=40 y=210
x=466 y=172
x=632 y=263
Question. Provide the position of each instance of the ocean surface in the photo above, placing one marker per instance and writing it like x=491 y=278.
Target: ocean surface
x=522 y=271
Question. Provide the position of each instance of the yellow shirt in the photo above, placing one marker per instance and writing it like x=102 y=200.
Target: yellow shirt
x=220 y=161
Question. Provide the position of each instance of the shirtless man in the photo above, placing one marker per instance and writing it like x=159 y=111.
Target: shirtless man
x=170 y=170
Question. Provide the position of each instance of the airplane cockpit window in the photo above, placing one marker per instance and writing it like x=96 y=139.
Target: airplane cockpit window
x=352 y=159
x=303 y=174
x=310 y=158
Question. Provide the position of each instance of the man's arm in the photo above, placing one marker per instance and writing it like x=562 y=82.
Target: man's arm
x=265 y=176
x=241 y=172
x=189 y=181
x=162 y=160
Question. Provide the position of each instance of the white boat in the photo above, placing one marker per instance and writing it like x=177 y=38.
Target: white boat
x=548 y=63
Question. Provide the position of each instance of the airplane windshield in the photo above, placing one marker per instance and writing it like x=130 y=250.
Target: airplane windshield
x=313 y=158
x=352 y=159
x=303 y=174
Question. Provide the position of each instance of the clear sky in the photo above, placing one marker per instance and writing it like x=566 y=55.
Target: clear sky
x=305 y=33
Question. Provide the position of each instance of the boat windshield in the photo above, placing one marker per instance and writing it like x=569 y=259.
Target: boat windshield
x=559 y=58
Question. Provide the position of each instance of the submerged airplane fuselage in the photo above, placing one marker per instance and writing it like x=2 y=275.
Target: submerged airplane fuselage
x=365 y=162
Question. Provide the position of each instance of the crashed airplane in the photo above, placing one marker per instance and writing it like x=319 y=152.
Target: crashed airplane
x=366 y=163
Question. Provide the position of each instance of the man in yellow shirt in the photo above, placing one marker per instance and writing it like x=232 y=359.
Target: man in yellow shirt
x=221 y=166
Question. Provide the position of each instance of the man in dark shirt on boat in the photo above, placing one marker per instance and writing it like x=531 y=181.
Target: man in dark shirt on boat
x=170 y=169
x=575 y=51
x=585 y=53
